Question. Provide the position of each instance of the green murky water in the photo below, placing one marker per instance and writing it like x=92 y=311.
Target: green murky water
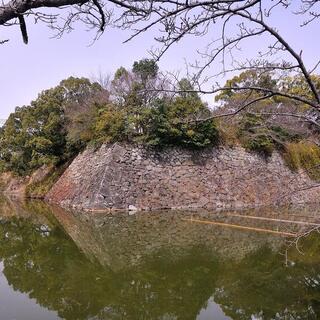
x=60 y=265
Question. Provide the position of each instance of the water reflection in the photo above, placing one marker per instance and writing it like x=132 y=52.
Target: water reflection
x=16 y=305
x=60 y=265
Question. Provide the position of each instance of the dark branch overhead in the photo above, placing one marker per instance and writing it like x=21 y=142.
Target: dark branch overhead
x=13 y=9
x=234 y=22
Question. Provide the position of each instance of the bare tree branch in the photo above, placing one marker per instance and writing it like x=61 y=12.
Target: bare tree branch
x=23 y=29
x=234 y=21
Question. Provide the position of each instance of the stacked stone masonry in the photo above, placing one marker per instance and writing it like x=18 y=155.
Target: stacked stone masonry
x=119 y=177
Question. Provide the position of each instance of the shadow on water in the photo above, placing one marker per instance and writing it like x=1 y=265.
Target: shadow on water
x=163 y=265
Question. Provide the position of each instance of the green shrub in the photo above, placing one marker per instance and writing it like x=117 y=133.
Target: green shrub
x=110 y=125
x=228 y=132
x=255 y=135
x=304 y=155
x=40 y=189
x=165 y=123
x=175 y=124
x=261 y=143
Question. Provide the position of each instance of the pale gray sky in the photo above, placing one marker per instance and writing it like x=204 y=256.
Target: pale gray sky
x=25 y=70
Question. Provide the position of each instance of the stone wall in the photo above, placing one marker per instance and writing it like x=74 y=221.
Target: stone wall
x=123 y=177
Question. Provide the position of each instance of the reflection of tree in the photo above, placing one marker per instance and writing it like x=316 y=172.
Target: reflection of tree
x=49 y=267
x=164 y=285
x=41 y=260
x=261 y=285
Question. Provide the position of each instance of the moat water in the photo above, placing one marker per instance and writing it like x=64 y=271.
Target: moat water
x=166 y=265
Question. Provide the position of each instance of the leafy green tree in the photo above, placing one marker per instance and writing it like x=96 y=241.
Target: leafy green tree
x=34 y=135
x=176 y=123
x=186 y=89
x=257 y=135
x=110 y=125
x=297 y=85
x=145 y=69
x=48 y=132
x=82 y=102
x=247 y=79
x=132 y=87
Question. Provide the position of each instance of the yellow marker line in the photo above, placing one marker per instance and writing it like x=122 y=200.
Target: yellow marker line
x=295 y=215
x=276 y=220
x=241 y=227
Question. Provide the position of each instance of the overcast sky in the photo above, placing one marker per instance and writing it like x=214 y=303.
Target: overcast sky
x=25 y=70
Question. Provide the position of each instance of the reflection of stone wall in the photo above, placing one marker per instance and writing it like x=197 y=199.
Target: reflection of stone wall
x=117 y=176
x=157 y=265
x=120 y=241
